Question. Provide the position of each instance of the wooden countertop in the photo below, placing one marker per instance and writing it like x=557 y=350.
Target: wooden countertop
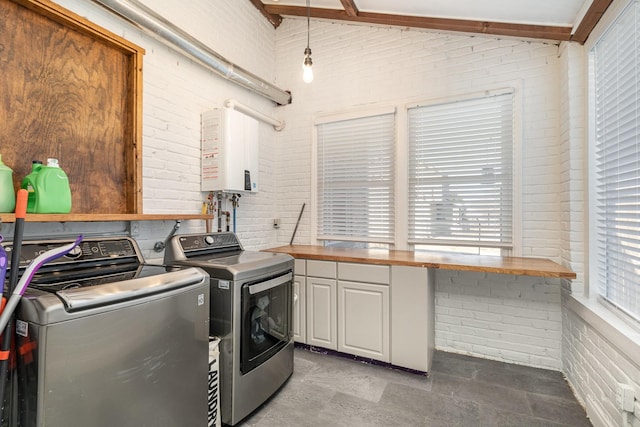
x=489 y=264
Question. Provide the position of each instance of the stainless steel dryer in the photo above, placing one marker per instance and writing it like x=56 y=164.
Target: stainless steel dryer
x=251 y=312
x=104 y=340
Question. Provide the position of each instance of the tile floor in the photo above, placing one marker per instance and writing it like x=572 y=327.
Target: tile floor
x=328 y=390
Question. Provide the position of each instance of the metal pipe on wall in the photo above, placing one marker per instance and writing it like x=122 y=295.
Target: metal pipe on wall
x=167 y=33
x=232 y=103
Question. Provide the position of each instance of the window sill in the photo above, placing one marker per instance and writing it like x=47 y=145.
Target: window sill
x=621 y=335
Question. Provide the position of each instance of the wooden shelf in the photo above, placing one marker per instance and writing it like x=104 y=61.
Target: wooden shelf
x=103 y=217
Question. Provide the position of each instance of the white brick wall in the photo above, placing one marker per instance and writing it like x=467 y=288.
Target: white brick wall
x=592 y=363
x=572 y=154
x=594 y=367
x=498 y=316
x=357 y=66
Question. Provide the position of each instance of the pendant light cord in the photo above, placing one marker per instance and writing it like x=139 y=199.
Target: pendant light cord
x=308 y=19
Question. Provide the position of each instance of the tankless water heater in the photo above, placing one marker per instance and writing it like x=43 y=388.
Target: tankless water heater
x=229 y=151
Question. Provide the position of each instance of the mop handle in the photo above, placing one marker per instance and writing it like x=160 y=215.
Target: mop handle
x=297 y=224
x=18 y=231
x=28 y=274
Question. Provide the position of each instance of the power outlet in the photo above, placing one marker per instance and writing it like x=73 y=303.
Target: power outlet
x=134 y=228
x=276 y=223
x=625 y=397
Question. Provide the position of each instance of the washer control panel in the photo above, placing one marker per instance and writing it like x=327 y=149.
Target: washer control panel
x=216 y=241
x=89 y=250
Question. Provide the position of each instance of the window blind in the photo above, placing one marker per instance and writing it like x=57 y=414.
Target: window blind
x=461 y=172
x=617 y=161
x=356 y=179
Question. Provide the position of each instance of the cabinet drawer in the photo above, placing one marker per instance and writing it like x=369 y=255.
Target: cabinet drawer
x=325 y=269
x=299 y=267
x=364 y=273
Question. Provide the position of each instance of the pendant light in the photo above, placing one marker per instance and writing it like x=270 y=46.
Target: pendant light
x=307 y=72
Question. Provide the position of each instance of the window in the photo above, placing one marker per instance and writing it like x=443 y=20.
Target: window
x=355 y=179
x=461 y=173
x=615 y=185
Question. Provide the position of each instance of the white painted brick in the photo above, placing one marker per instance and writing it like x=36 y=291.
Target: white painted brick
x=518 y=310
x=445 y=319
x=593 y=366
x=489 y=317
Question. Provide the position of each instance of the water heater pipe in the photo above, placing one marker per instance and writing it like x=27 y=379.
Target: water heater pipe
x=232 y=103
x=179 y=40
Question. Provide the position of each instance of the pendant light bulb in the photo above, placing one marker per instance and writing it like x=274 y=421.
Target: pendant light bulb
x=307 y=71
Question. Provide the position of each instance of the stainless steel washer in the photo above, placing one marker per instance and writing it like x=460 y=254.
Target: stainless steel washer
x=251 y=312
x=104 y=340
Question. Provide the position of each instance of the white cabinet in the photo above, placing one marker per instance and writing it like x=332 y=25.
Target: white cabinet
x=322 y=312
x=350 y=314
x=363 y=319
x=363 y=310
x=321 y=296
x=412 y=317
x=379 y=312
x=299 y=302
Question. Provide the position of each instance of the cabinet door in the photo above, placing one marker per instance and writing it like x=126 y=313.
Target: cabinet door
x=321 y=312
x=363 y=319
x=299 y=310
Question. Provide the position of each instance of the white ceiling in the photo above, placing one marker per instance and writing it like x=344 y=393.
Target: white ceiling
x=534 y=12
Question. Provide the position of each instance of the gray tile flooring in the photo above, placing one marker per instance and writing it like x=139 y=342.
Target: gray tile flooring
x=327 y=390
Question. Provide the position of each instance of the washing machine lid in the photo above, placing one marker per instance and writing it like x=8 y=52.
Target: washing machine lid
x=240 y=266
x=158 y=280
x=222 y=256
x=46 y=307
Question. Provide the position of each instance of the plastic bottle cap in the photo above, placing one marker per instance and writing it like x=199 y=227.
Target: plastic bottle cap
x=53 y=163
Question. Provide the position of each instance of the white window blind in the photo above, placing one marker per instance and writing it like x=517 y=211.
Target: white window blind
x=617 y=161
x=355 y=179
x=461 y=172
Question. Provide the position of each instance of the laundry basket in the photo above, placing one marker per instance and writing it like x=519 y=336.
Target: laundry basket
x=213 y=395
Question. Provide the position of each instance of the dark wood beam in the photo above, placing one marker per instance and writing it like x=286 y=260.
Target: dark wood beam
x=350 y=7
x=590 y=20
x=548 y=32
x=273 y=18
